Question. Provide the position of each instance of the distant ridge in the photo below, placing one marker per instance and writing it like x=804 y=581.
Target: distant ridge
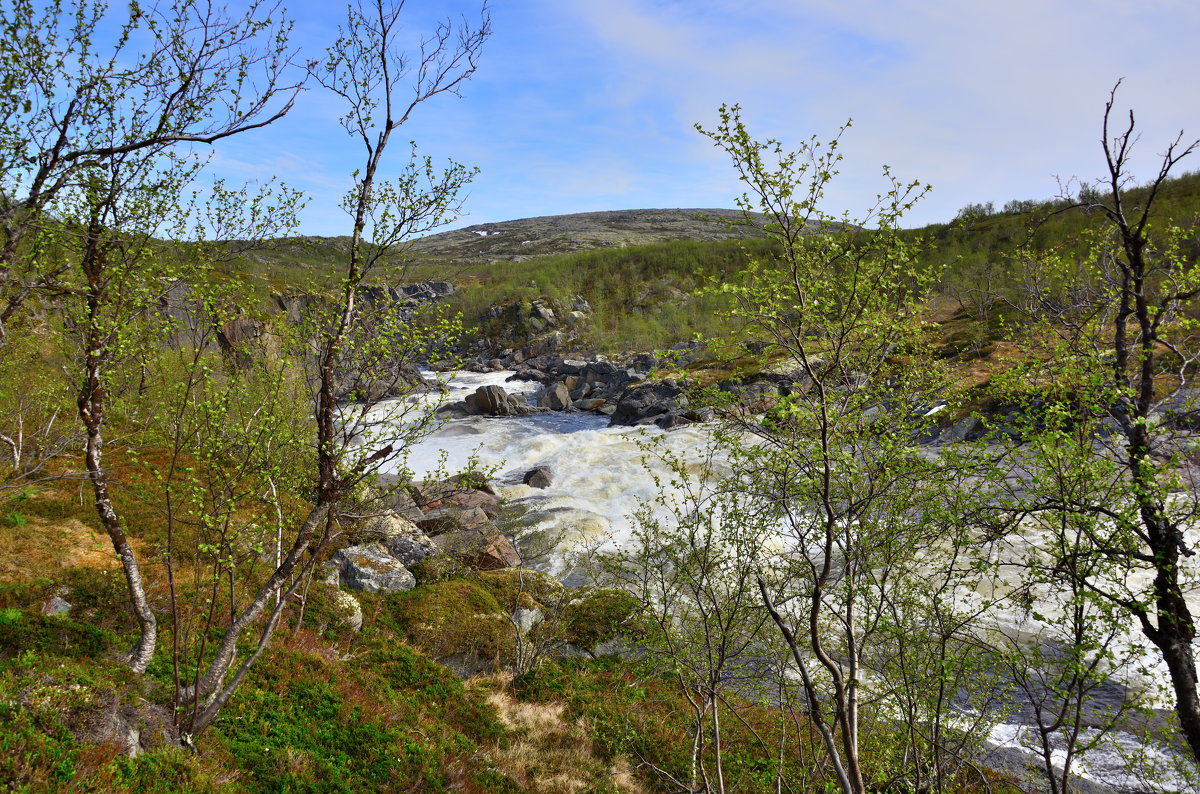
x=521 y=239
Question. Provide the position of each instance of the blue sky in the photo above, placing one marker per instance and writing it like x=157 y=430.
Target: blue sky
x=583 y=105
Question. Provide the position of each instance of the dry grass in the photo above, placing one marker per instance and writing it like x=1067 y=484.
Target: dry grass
x=44 y=548
x=549 y=755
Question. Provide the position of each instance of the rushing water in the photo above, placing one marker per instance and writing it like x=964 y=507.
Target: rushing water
x=602 y=475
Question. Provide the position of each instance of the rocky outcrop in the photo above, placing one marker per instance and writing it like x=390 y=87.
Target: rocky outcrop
x=646 y=402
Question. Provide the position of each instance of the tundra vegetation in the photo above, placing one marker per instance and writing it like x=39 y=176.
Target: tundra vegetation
x=811 y=608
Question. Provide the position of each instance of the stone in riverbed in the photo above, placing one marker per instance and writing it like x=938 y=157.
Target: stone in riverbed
x=540 y=477
x=556 y=397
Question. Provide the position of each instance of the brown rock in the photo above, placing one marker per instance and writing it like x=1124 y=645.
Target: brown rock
x=483 y=548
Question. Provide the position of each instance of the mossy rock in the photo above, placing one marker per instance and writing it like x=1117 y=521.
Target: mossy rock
x=438 y=568
x=517 y=587
x=452 y=619
x=599 y=615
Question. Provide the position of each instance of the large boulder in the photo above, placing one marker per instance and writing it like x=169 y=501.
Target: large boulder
x=412 y=550
x=371 y=568
x=449 y=519
x=382 y=528
x=556 y=397
x=495 y=401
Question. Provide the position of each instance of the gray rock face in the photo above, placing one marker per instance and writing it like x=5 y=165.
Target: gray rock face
x=540 y=477
x=494 y=401
x=372 y=569
x=449 y=519
x=384 y=527
x=57 y=606
x=645 y=402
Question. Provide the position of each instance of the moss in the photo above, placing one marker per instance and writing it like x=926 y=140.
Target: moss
x=393 y=720
x=597 y=616
x=452 y=618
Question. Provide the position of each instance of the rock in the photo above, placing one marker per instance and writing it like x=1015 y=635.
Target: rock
x=556 y=397
x=673 y=422
x=618 y=646
x=1181 y=410
x=411 y=550
x=539 y=477
x=526 y=619
x=494 y=401
x=590 y=404
x=371 y=568
x=647 y=401
x=56 y=606
x=566 y=650
x=396 y=499
x=384 y=527
x=448 y=519
x=483 y=548
x=487 y=502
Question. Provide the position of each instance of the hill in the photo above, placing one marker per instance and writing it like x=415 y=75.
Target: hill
x=523 y=239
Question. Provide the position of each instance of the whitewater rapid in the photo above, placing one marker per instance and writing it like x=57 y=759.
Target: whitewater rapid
x=601 y=474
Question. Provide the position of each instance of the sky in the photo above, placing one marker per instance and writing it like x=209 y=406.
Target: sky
x=588 y=105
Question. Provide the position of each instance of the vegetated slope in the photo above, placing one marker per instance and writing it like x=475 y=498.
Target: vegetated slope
x=298 y=263
x=557 y=234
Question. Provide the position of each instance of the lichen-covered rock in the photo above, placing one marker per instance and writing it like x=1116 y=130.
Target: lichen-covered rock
x=371 y=568
x=526 y=619
x=349 y=611
x=387 y=526
x=412 y=549
x=56 y=606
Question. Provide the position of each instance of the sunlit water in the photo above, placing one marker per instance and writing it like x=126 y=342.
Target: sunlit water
x=602 y=475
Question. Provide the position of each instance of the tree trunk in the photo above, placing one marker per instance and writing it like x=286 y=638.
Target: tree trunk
x=91 y=411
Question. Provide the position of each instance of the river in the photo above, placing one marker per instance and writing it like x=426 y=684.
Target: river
x=602 y=475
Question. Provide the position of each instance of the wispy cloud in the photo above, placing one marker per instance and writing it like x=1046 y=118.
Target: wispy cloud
x=586 y=105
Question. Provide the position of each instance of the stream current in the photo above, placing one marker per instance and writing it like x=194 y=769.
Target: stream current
x=602 y=475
